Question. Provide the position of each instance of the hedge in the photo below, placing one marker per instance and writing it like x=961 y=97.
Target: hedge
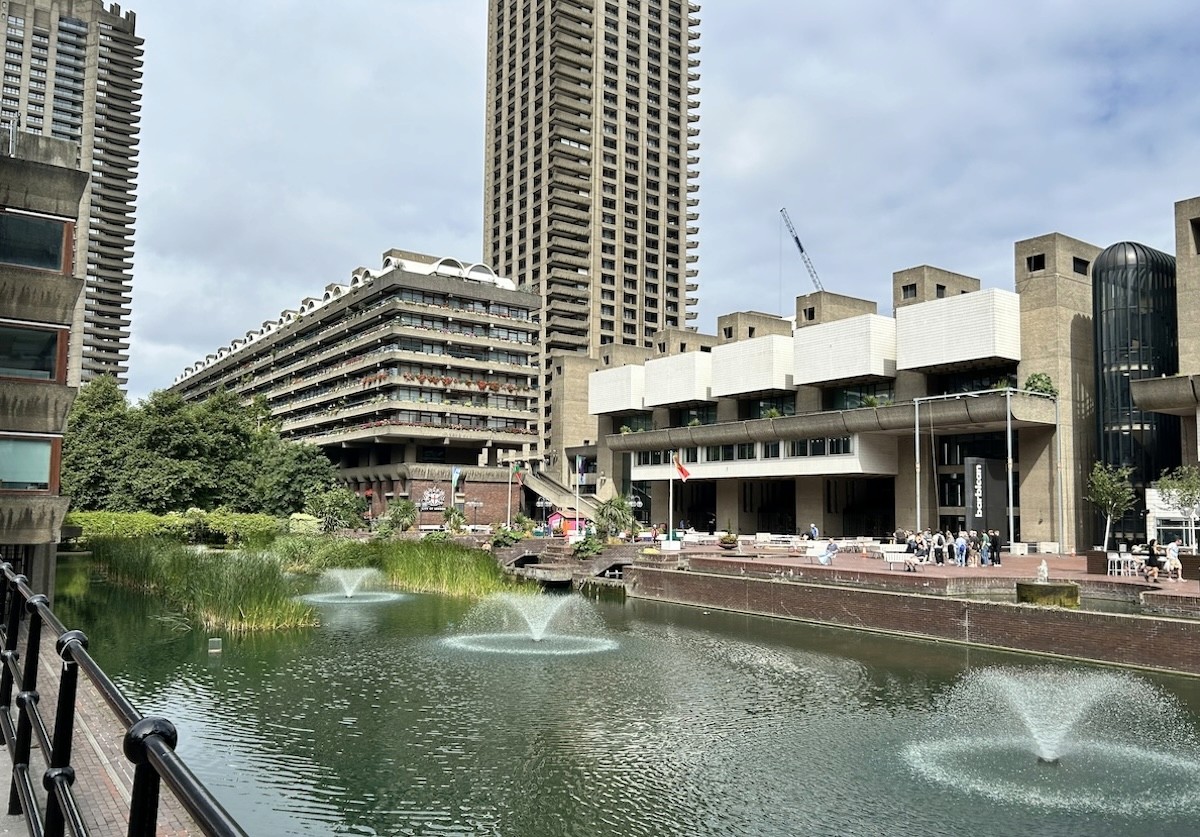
x=193 y=526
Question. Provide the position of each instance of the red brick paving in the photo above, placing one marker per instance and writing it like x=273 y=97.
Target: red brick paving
x=103 y=776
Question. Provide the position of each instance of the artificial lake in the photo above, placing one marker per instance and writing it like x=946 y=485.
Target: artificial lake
x=421 y=715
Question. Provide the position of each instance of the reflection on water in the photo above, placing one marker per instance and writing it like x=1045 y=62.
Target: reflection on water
x=693 y=723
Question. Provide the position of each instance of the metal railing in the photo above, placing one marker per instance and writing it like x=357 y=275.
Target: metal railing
x=149 y=742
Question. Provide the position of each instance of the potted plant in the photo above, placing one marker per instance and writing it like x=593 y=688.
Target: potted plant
x=728 y=539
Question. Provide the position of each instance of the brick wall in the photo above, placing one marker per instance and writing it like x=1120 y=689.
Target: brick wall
x=1112 y=638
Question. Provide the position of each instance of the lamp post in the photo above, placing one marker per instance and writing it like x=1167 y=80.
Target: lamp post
x=635 y=504
x=474 y=504
x=917 y=441
x=545 y=505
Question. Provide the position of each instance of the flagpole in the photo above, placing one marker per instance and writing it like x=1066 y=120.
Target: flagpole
x=671 y=501
x=508 y=522
x=578 y=479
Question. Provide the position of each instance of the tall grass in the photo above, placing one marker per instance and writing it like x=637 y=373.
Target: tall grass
x=250 y=590
x=423 y=566
x=235 y=591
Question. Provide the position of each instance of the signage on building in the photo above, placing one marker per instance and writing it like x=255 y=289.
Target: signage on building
x=986 y=493
x=433 y=499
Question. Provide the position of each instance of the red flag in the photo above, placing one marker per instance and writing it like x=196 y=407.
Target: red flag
x=516 y=470
x=684 y=473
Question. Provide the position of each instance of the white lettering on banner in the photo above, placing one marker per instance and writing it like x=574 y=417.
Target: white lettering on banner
x=979 y=491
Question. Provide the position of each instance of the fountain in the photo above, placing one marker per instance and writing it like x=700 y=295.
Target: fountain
x=510 y=623
x=352 y=584
x=1120 y=745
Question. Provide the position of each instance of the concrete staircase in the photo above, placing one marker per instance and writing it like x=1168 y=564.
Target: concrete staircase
x=558 y=494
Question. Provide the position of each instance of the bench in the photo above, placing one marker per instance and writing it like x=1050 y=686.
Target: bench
x=901 y=558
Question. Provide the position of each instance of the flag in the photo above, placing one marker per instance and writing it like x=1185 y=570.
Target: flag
x=579 y=465
x=684 y=473
x=455 y=476
x=516 y=472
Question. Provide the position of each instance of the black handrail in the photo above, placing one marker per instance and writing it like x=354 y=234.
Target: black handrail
x=149 y=742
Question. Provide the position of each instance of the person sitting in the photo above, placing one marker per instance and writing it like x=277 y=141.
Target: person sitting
x=826 y=557
x=919 y=555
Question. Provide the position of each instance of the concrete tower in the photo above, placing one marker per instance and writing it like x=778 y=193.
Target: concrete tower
x=590 y=175
x=72 y=71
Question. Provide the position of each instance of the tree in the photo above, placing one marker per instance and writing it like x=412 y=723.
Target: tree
x=95 y=446
x=1180 y=489
x=455 y=520
x=286 y=475
x=1110 y=491
x=613 y=516
x=401 y=515
x=337 y=508
x=1040 y=382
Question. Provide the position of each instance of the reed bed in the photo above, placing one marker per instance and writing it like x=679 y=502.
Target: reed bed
x=443 y=567
x=233 y=591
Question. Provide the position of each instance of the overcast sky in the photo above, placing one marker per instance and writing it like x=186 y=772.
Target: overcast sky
x=286 y=142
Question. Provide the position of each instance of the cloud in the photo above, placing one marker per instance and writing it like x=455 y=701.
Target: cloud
x=285 y=144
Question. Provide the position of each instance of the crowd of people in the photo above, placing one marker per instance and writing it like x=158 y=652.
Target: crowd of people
x=966 y=549
x=1156 y=561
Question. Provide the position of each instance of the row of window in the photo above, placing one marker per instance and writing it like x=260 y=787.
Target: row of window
x=748 y=451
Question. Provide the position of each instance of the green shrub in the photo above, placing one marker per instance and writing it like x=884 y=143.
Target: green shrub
x=589 y=546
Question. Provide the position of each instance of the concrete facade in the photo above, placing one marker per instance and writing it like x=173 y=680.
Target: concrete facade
x=868 y=393
x=40 y=191
x=72 y=71
x=403 y=376
x=590 y=181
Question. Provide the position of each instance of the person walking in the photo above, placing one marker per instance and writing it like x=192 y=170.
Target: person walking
x=1174 y=566
x=813 y=532
x=994 y=539
x=960 y=550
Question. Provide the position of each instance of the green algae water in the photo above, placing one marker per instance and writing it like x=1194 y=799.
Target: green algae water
x=421 y=715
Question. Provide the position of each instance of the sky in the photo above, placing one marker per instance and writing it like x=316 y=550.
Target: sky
x=287 y=142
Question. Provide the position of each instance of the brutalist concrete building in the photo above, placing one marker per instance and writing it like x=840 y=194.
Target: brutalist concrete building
x=40 y=190
x=407 y=376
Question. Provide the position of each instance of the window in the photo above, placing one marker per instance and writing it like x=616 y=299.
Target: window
x=810 y=314
x=25 y=464
x=1035 y=262
x=908 y=292
x=30 y=352
x=30 y=241
x=1080 y=266
x=940 y=291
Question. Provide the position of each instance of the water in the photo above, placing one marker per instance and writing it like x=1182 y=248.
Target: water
x=691 y=723
x=545 y=625
x=356 y=584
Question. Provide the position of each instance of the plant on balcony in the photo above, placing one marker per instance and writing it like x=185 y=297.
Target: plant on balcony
x=771 y=413
x=1040 y=382
x=482 y=384
x=625 y=428
x=695 y=422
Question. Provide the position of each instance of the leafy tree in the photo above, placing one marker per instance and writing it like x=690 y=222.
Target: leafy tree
x=337 y=508
x=1110 y=491
x=613 y=516
x=286 y=474
x=1181 y=489
x=95 y=446
x=454 y=519
x=1040 y=382
x=401 y=515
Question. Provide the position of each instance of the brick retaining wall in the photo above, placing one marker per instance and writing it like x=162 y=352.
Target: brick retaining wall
x=1124 y=639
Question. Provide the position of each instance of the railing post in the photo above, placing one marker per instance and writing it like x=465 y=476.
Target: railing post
x=64 y=727
x=28 y=696
x=11 y=592
x=143 y=807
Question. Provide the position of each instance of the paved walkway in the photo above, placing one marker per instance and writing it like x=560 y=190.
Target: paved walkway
x=103 y=776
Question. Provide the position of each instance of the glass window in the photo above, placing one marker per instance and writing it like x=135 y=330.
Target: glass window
x=31 y=242
x=28 y=352
x=25 y=464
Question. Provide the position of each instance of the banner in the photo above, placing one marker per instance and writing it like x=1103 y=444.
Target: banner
x=986 y=493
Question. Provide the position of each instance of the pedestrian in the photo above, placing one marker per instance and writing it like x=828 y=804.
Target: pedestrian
x=994 y=538
x=939 y=547
x=813 y=532
x=960 y=549
x=1174 y=566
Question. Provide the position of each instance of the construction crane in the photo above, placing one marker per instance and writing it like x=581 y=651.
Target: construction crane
x=812 y=271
